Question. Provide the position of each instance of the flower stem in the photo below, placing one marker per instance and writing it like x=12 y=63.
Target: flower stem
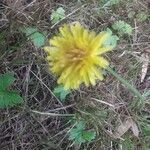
x=125 y=83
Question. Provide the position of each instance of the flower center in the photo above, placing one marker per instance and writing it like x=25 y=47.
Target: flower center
x=76 y=54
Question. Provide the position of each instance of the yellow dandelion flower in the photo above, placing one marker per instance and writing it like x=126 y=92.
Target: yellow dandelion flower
x=75 y=55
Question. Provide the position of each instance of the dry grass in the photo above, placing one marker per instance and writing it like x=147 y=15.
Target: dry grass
x=20 y=127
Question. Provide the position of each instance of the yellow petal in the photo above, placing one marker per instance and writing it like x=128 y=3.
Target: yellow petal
x=65 y=32
x=92 y=35
x=84 y=76
x=47 y=49
x=98 y=41
x=102 y=50
x=97 y=73
x=102 y=62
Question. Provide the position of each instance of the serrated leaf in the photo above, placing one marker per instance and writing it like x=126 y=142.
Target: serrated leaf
x=79 y=135
x=8 y=97
x=122 y=27
x=76 y=133
x=57 y=15
x=34 y=35
x=60 y=92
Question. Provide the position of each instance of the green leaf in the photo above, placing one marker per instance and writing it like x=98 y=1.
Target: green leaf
x=38 y=39
x=76 y=136
x=6 y=80
x=80 y=125
x=60 y=92
x=141 y=16
x=8 y=97
x=111 y=40
x=122 y=27
x=79 y=135
x=34 y=35
x=57 y=15
x=89 y=135
x=74 y=133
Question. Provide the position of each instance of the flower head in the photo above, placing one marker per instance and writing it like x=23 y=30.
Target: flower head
x=75 y=55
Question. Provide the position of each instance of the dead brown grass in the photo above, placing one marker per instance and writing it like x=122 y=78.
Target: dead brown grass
x=20 y=128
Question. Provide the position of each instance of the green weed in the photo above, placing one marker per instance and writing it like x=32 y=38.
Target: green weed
x=8 y=97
